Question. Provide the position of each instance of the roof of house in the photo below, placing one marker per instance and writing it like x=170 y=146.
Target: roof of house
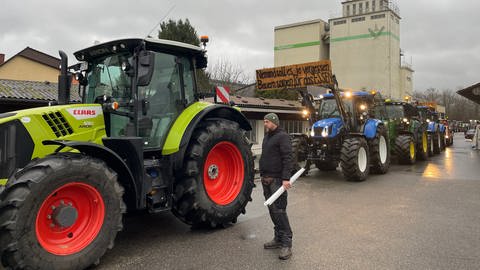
x=32 y=91
x=37 y=56
x=471 y=92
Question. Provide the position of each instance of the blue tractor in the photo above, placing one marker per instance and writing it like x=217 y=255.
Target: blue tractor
x=347 y=129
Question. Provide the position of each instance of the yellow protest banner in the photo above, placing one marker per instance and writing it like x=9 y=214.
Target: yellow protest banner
x=295 y=76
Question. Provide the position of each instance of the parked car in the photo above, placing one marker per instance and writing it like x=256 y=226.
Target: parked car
x=469 y=134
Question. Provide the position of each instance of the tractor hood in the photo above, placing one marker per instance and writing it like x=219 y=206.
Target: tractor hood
x=22 y=132
x=327 y=128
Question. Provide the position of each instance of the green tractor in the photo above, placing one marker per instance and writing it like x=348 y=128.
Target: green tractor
x=409 y=136
x=140 y=141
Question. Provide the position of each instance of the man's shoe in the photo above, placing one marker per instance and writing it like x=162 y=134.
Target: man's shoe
x=272 y=244
x=285 y=253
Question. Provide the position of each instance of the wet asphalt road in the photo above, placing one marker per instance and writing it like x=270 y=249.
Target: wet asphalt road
x=425 y=216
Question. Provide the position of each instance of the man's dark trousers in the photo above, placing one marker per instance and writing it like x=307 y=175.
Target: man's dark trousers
x=278 y=213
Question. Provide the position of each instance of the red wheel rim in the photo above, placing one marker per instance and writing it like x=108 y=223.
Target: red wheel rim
x=57 y=229
x=223 y=173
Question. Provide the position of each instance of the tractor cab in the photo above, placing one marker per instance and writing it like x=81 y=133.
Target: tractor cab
x=143 y=85
x=402 y=113
x=360 y=106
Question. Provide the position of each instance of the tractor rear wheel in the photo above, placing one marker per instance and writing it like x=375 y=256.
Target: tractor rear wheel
x=60 y=212
x=326 y=165
x=422 y=146
x=405 y=149
x=442 y=142
x=217 y=179
x=379 y=152
x=299 y=152
x=354 y=159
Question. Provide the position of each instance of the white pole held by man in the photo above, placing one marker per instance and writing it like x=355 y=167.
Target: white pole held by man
x=280 y=191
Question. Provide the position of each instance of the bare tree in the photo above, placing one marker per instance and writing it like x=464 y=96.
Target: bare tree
x=229 y=73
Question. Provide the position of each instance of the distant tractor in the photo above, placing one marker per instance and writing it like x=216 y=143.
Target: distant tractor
x=140 y=140
x=347 y=129
x=409 y=134
x=436 y=131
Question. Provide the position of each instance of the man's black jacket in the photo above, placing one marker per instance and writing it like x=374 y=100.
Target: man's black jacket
x=276 y=160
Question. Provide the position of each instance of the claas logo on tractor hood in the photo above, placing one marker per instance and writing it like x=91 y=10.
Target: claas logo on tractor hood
x=80 y=113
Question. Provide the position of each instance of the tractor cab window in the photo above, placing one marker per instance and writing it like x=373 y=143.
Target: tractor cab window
x=107 y=82
x=329 y=109
x=395 y=111
x=169 y=91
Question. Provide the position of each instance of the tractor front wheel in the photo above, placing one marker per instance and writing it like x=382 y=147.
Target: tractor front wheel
x=422 y=146
x=379 y=152
x=217 y=179
x=299 y=152
x=354 y=159
x=60 y=212
x=405 y=149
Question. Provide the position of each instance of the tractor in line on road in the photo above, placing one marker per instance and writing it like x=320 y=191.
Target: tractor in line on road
x=139 y=141
x=409 y=136
x=347 y=129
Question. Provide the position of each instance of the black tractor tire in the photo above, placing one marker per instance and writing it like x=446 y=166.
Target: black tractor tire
x=354 y=159
x=422 y=146
x=403 y=149
x=29 y=227
x=436 y=143
x=431 y=145
x=326 y=165
x=442 y=142
x=380 y=152
x=299 y=152
x=218 y=155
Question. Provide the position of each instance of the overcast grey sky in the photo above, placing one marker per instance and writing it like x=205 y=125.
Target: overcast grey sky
x=441 y=36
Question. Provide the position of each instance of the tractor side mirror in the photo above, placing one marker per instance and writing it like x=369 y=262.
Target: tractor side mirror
x=145 y=67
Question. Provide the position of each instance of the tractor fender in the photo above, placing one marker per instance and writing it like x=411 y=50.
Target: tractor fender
x=112 y=159
x=208 y=111
x=370 y=128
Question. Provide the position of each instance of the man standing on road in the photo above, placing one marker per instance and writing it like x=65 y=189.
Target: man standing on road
x=275 y=171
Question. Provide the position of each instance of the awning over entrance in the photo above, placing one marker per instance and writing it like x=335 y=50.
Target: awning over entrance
x=471 y=92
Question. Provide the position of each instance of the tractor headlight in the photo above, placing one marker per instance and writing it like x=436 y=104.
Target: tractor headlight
x=405 y=120
x=312 y=132
x=325 y=132
x=428 y=120
x=363 y=107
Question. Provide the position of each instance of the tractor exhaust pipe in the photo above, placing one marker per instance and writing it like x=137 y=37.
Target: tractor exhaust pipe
x=64 y=80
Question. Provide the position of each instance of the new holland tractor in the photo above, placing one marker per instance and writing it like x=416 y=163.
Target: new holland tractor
x=140 y=140
x=409 y=134
x=436 y=130
x=346 y=129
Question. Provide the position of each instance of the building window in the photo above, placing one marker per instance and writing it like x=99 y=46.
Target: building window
x=292 y=126
x=359 y=19
x=379 y=16
x=252 y=134
x=348 y=10
x=373 y=5
x=397 y=21
x=354 y=7
x=366 y=6
x=360 y=8
x=340 y=22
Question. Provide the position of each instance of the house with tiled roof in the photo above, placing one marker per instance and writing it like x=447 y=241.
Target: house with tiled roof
x=30 y=65
x=18 y=95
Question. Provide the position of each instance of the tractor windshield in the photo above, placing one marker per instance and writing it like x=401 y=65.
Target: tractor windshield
x=329 y=109
x=395 y=111
x=106 y=78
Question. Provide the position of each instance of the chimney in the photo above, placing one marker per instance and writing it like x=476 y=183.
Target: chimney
x=2 y=58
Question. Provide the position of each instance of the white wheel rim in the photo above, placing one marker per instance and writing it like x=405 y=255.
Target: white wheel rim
x=382 y=145
x=431 y=146
x=362 y=159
